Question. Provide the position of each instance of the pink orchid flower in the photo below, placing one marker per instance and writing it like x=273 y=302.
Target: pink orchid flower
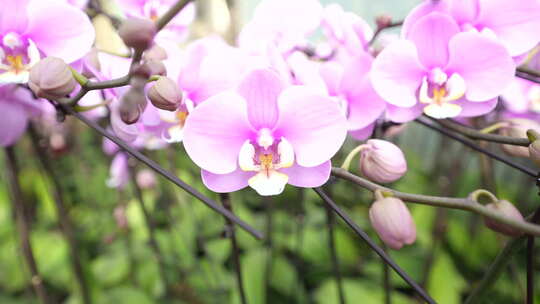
x=264 y=135
x=16 y=106
x=441 y=71
x=30 y=29
x=514 y=23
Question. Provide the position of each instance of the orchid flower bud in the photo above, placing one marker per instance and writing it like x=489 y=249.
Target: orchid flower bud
x=156 y=52
x=534 y=152
x=509 y=210
x=518 y=128
x=146 y=179
x=132 y=105
x=393 y=222
x=51 y=78
x=165 y=94
x=138 y=33
x=382 y=161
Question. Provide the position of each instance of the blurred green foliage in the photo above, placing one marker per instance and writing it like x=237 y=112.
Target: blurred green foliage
x=292 y=265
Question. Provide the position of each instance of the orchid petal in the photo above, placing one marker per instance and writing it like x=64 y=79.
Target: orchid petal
x=224 y=183
x=13 y=123
x=397 y=73
x=13 y=16
x=215 y=131
x=60 y=29
x=486 y=73
x=261 y=89
x=312 y=123
x=308 y=176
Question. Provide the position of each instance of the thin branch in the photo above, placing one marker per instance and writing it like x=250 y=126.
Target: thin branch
x=166 y=174
x=62 y=213
x=527 y=77
x=387 y=284
x=327 y=200
x=150 y=225
x=494 y=270
x=226 y=201
x=18 y=206
x=330 y=223
x=475 y=134
x=530 y=261
x=471 y=144
x=379 y=30
x=526 y=70
x=171 y=13
x=439 y=201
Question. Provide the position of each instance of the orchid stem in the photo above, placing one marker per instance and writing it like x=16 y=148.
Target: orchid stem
x=495 y=127
x=348 y=160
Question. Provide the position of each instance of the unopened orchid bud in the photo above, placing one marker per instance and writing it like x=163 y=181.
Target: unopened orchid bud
x=51 y=78
x=132 y=105
x=146 y=179
x=534 y=152
x=393 y=222
x=138 y=33
x=149 y=68
x=510 y=211
x=165 y=94
x=382 y=161
x=156 y=52
x=517 y=128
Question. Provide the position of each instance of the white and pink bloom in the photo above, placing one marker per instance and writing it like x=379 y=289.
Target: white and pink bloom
x=31 y=29
x=265 y=135
x=513 y=23
x=441 y=71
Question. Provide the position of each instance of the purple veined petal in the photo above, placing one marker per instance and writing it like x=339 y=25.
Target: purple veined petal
x=60 y=29
x=471 y=109
x=216 y=130
x=400 y=115
x=464 y=11
x=423 y=9
x=225 y=183
x=515 y=23
x=364 y=104
x=308 y=176
x=364 y=133
x=312 y=123
x=13 y=123
x=484 y=64
x=13 y=16
x=431 y=35
x=261 y=89
x=397 y=73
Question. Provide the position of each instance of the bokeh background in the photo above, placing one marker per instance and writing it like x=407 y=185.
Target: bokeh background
x=293 y=264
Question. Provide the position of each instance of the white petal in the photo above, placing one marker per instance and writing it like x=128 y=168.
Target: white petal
x=272 y=183
x=174 y=134
x=445 y=110
x=11 y=40
x=11 y=77
x=33 y=54
x=423 y=94
x=286 y=154
x=246 y=157
x=456 y=87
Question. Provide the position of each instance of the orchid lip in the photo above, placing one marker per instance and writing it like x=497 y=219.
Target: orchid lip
x=438 y=91
x=17 y=56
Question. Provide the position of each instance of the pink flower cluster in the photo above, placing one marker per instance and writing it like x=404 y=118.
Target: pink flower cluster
x=274 y=109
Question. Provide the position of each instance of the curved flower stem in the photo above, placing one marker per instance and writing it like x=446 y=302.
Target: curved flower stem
x=471 y=144
x=380 y=29
x=475 y=134
x=363 y=235
x=330 y=223
x=171 y=13
x=64 y=219
x=150 y=225
x=476 y=194
x=23 y=226
x=495 y=127
x=158 y=169
x=348 y=160
x=231 y=233
x=526 y=70
x=446 y=202
x=495 y=269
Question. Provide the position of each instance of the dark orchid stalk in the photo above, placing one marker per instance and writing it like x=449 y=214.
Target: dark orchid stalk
x=23 y=225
